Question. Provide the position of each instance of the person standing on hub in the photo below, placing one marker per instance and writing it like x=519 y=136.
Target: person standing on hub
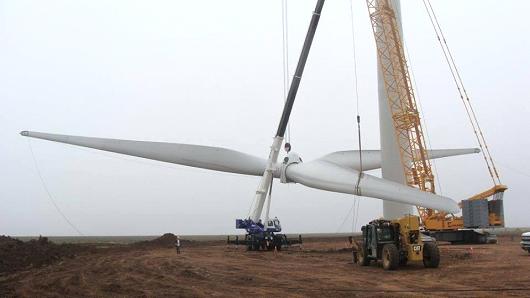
x=177 y=245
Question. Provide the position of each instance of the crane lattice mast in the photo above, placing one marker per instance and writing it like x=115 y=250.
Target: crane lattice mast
x=401 y=99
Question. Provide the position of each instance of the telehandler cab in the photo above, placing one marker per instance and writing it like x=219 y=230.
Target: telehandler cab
x=396 y=242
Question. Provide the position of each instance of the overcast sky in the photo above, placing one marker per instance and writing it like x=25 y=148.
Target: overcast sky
x=209 y=72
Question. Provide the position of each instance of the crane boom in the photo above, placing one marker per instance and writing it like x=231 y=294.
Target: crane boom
x=266 y=179
x=401 y=99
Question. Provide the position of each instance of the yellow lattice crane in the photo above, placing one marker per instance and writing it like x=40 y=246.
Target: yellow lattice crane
x=406 y=119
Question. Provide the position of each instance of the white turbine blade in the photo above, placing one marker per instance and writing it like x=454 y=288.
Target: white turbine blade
x=372 y=158
x=328 y=176
x=212 y=158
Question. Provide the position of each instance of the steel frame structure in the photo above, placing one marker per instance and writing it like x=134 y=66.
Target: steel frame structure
x=401 y=99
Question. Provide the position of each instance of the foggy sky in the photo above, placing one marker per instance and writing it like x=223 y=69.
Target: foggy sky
x=210 y=72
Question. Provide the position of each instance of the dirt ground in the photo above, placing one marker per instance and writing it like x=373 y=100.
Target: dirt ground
x=321 y=267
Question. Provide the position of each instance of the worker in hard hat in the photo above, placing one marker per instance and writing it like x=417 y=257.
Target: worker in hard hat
x=177 y=245
x=355 y=249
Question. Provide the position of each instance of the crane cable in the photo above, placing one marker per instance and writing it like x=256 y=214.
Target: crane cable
x=355 y=206
x=463 y=93
x=357 y=188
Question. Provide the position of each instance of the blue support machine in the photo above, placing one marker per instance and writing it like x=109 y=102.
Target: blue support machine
x=261 y=236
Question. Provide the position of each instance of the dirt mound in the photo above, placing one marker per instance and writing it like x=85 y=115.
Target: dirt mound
x=16 y=255
x=166 y=240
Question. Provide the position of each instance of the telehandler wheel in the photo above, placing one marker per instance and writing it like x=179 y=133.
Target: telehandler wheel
x=403 y=261
x=431 y=255
x=363 y=257
x=390 y=257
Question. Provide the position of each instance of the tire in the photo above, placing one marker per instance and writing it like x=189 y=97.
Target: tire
x=277 y=242
x=431 y=255
x=363 y=257
x=248 y=242
x=403 y=261
x=254 y=243
x=390 y=257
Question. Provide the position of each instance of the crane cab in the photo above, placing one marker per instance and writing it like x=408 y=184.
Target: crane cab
x=273 y=225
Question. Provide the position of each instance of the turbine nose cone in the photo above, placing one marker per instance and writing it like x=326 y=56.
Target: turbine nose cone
x=24 y=133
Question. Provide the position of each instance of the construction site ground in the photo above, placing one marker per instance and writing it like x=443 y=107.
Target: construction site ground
x=322 y=266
